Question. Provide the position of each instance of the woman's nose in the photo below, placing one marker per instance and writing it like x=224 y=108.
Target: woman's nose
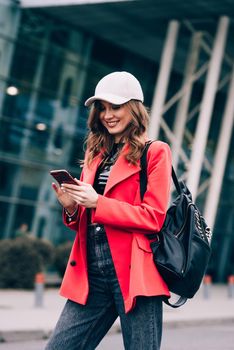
x=108 y=114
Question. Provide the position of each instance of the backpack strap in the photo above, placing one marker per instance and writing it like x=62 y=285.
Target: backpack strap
x=176 y=181
x=143 y=172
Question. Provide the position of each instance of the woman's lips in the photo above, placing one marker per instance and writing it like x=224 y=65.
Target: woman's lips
x=112 y=124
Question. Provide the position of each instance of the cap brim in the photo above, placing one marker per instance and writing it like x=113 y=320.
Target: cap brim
x=117 y=100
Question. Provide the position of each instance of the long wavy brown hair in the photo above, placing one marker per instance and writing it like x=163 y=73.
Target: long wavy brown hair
x=99 y=140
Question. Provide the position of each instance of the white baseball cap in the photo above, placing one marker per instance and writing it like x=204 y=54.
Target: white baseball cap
x=117 y=88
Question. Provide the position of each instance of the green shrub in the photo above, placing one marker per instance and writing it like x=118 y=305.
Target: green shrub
x=62 y=253
x=45 y=250
x=21 y=259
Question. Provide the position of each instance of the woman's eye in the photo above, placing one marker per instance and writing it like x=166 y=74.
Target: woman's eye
x=101 y=108
x=115 y=107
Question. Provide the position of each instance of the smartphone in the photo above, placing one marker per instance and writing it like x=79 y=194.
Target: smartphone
x=63 y=176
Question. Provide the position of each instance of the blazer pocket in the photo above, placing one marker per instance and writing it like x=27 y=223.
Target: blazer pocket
x=144 y=243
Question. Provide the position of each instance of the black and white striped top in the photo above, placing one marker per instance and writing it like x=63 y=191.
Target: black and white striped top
x=105 y=167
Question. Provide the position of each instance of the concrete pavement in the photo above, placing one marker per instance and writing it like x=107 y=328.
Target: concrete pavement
x=21 y=320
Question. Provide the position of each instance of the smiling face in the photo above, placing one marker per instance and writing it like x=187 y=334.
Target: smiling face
x=115 y=118
x=119 y=123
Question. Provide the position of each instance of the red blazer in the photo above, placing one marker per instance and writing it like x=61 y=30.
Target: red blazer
x=127 y=220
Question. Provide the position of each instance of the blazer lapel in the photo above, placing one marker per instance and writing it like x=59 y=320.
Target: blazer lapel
x=121 y=170
x=89 y=176
x=90 y=172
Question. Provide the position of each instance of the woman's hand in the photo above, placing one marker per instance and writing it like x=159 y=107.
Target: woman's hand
x=65 y=199
x=83 y=194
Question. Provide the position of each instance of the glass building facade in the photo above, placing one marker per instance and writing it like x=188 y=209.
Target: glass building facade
x=51 y=71
x=47 y=70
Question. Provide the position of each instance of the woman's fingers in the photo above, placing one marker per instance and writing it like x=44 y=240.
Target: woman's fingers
x=71 y=187
x=77 y=198
x=63 y=197
x=83 y=193
x=74 y=193
x=80 y=191
x=81 y=183
x=55 y=187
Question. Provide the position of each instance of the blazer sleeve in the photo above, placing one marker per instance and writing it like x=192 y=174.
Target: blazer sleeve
x=72 y=223
x=149 y=216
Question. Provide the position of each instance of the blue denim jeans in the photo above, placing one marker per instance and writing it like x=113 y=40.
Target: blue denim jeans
x=82 y=327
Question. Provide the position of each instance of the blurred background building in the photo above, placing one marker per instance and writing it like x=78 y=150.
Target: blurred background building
x=52 y=53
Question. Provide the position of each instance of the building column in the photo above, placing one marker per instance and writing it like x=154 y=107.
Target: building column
x=204 y=118
x=163 y=79
x=220 y=159
x=183 y=105
x=34 y=95
x=9 y=22
x=62 y=115
x=26 y=136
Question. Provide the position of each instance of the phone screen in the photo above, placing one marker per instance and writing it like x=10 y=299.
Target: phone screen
x=63 y=176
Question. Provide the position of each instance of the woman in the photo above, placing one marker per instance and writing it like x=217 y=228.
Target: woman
x=110 y=272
